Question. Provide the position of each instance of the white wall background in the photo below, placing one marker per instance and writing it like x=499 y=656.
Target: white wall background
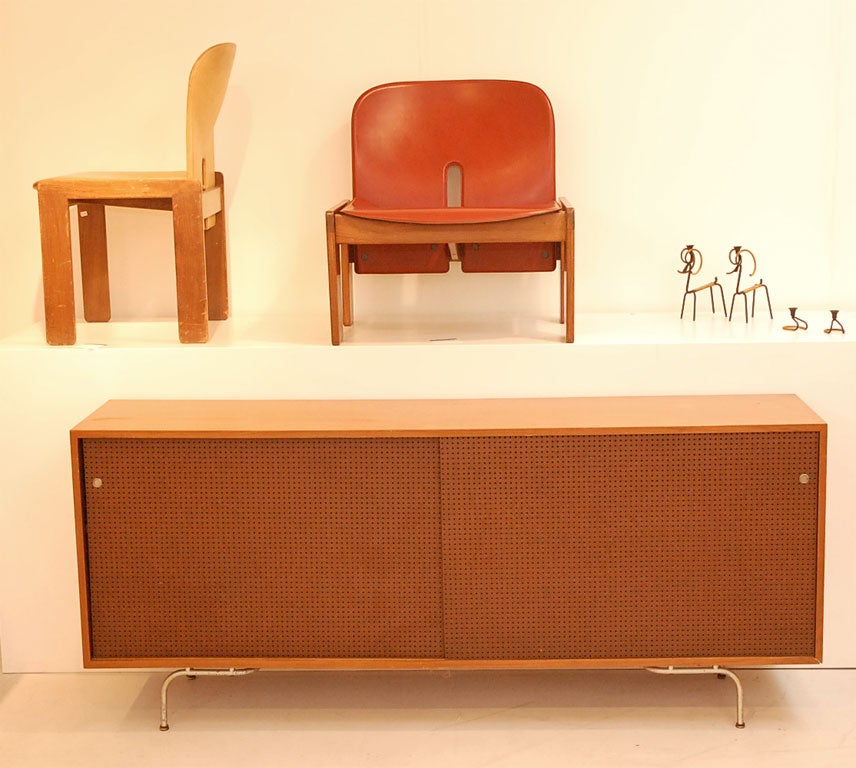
x=677 y=121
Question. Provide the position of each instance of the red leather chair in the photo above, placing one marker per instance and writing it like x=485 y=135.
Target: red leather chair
x=450 y=170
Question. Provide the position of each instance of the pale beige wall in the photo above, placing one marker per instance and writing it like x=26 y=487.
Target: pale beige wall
x=678 y=121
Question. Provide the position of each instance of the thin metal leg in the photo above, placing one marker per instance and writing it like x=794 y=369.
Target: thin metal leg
x=192 y=674
x=720 y=672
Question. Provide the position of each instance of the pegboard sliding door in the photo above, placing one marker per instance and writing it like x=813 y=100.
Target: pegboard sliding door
x=631 y=546
x=261 y=548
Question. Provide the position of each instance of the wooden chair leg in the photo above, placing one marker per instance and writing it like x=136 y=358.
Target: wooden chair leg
x=562 y=277
x=346 y=272
x=335 y=282
x=190 y=278
x=94 y=273
x=57 y=273
x=569 y=279
x=216 y=269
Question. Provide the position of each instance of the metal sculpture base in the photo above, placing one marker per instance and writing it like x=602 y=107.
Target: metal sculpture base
x=752 y=289
x=706 y=287
x=192 y=674
x=720 y=672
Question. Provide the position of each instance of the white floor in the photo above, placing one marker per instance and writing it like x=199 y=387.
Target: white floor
x=520 y=718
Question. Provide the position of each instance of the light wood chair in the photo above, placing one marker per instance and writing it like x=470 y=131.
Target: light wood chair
x=459 y=170
x=194 y=196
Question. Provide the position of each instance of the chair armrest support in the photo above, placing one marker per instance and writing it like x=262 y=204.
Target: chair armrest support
x=568 y=208
x=337 y=208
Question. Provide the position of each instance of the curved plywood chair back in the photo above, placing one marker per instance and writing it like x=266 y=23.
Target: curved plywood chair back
x=206 y=89
x=498 y=135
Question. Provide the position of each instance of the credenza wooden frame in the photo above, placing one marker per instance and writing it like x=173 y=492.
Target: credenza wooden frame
x=707 y=417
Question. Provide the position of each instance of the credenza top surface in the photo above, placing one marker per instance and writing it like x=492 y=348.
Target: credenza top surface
x=437 y=418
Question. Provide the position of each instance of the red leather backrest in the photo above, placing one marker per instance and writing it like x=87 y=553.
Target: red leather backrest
x=405 y=135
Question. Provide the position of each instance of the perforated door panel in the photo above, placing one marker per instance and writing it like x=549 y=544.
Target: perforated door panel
x=263 y=548
x=630 y=546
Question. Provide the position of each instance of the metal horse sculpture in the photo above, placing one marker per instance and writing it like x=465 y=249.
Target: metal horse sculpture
x=689 y=255
x=735 y=256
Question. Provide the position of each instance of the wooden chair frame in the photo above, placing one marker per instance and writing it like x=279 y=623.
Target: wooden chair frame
x=194 y=196
x=345 y=232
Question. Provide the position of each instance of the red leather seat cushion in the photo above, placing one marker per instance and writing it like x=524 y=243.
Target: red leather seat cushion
x=443 y=215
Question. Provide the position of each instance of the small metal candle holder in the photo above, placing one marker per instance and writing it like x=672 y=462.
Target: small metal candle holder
x=835 y=323
x=798 y=323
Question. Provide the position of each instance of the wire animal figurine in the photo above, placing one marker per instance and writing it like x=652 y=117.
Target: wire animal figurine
x=689 y=256
x=735 y=256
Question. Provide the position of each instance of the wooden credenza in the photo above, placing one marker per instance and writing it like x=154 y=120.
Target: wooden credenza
x=586 y=532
